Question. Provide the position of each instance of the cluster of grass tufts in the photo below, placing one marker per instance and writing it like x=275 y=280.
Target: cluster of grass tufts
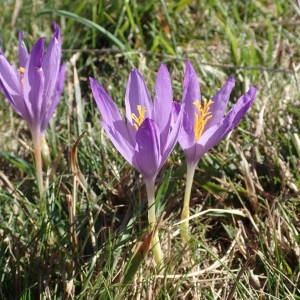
x=245 y=203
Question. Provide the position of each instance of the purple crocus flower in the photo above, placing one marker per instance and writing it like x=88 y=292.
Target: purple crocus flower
x=146 y=138
x=148 y=135
x=33 y=89
x=205 y=124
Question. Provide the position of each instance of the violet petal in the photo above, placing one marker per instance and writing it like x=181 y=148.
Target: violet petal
x=34 y=81
x=136 y=94
x=191 y=93
x=23 y=52
x=147 y=153
x=52 y=103
x=220 y=101
x=163 y=102
x=119 y=141
x=51 y=66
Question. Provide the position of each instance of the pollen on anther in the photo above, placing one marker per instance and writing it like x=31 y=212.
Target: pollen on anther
x=138 y=120
x=202 y=115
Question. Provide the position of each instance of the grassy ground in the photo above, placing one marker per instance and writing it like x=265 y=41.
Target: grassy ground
x=245 y=197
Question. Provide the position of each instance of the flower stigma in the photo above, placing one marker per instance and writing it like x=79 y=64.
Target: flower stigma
x=202 y=115
x=22 y=71
x=137 y=121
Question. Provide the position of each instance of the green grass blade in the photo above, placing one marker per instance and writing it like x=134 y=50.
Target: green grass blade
x=87 y=23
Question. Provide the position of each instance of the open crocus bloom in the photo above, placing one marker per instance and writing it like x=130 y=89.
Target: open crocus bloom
x=33 y=90
x=205 y=122
x=148 y=136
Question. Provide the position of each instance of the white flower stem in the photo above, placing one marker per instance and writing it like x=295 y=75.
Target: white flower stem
x=185 y=214
x=156 y=248
x=39 y=169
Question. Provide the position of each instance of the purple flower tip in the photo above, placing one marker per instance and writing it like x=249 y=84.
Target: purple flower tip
x=21 y=35
x=56 y=31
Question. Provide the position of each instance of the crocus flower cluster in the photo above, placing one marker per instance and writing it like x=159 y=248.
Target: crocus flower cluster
x=33 y=89
x=150 y=130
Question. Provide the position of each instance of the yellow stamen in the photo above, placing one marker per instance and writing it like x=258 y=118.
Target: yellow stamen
x=137 y=121
x=202 y=116
x=22 y=70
